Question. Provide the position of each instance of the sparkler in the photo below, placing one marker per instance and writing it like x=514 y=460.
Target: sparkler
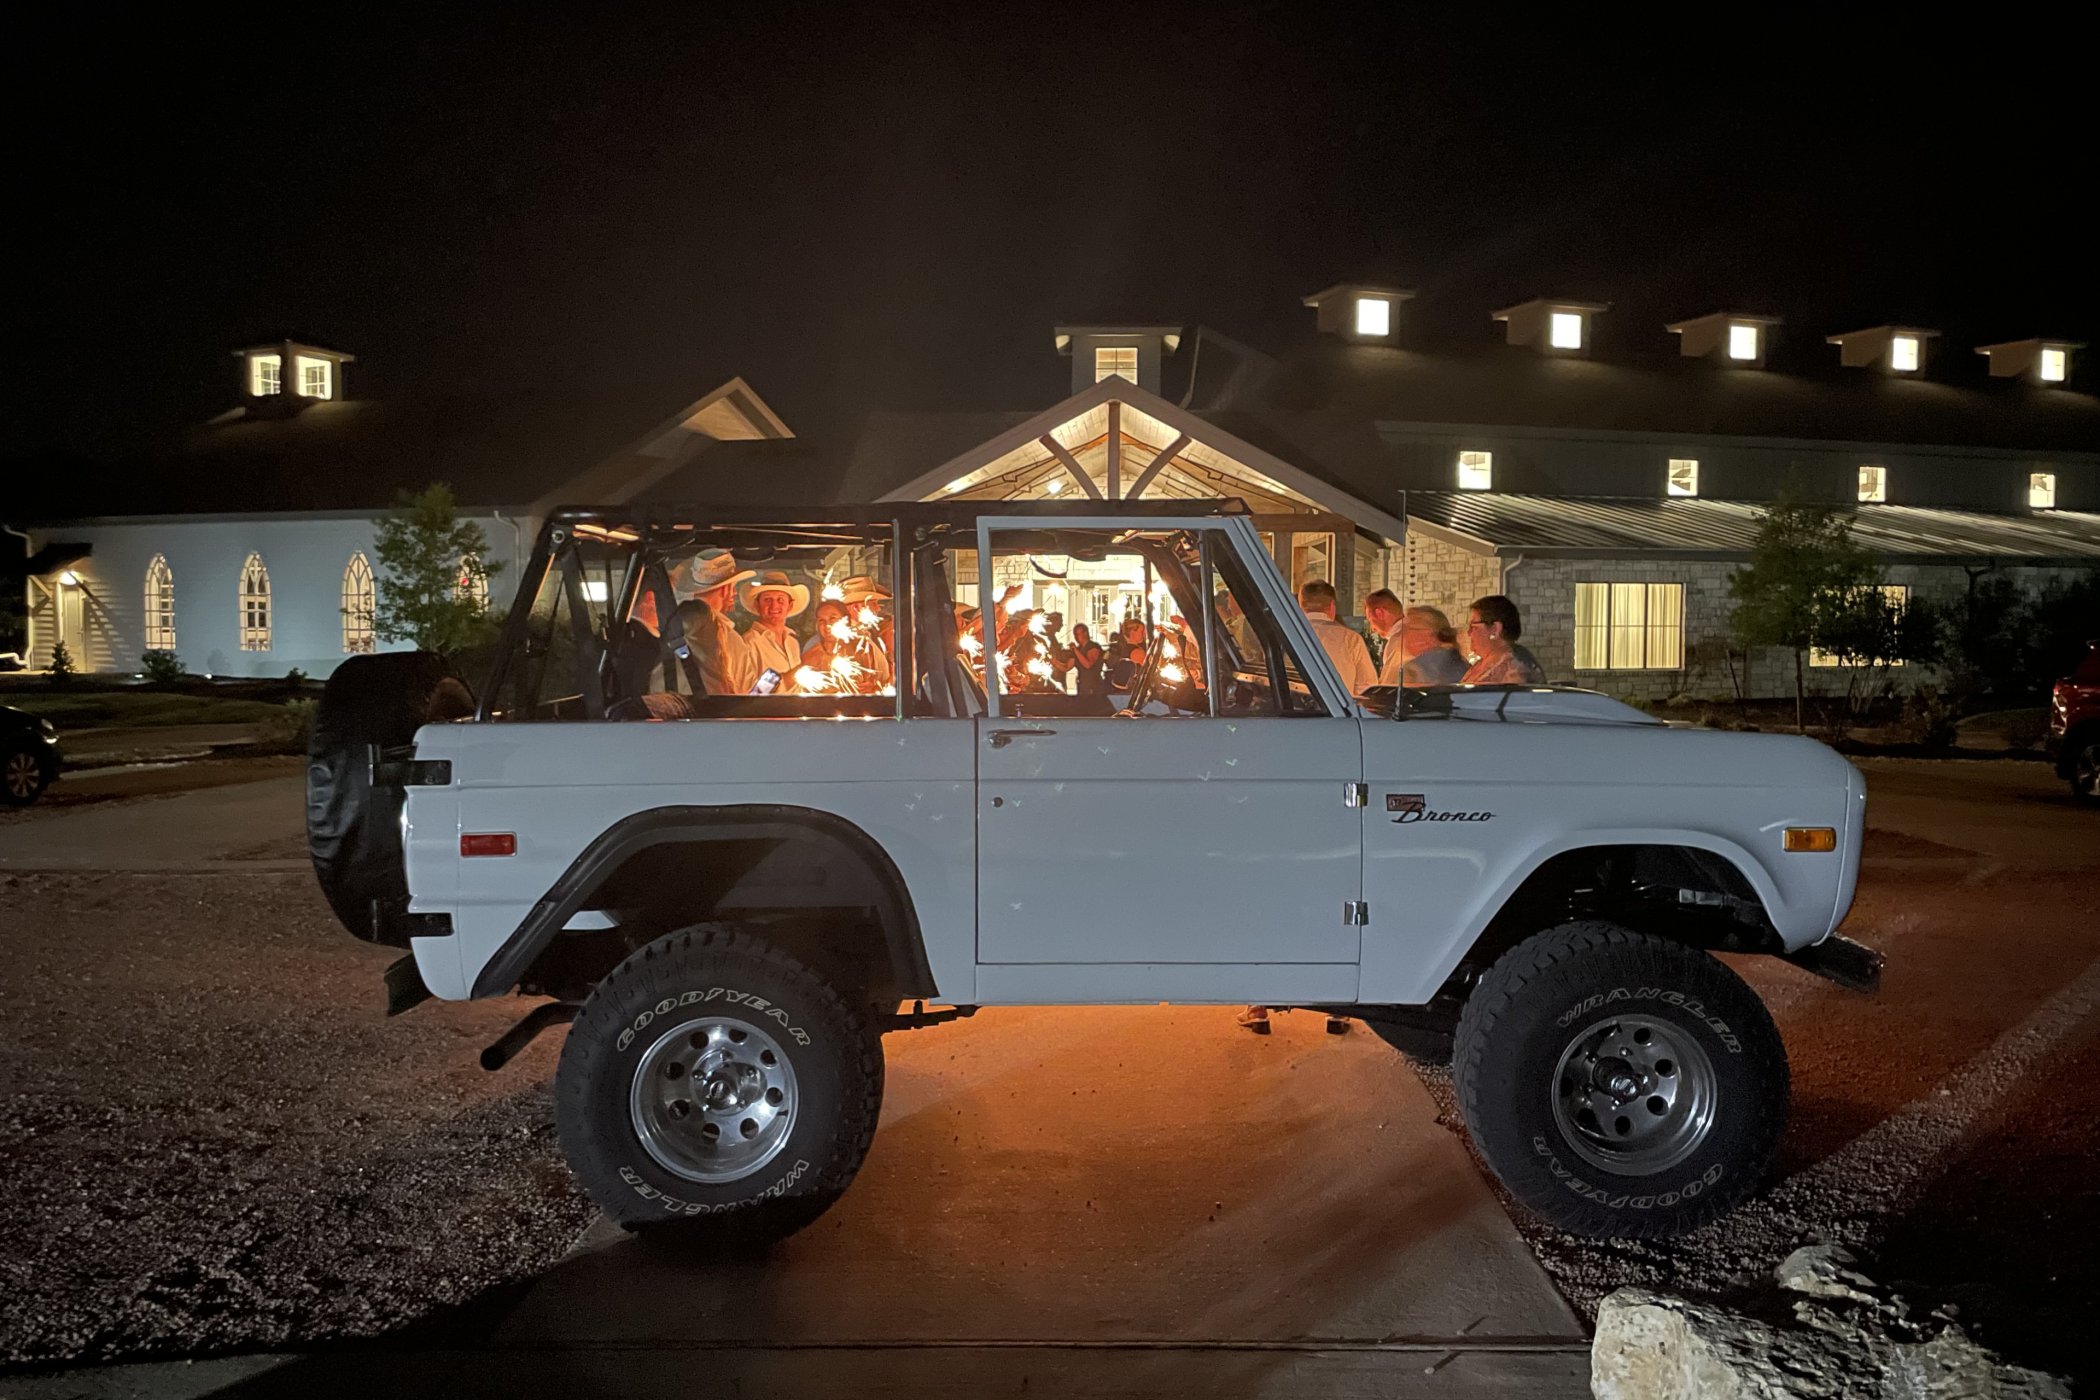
x=1172 y=674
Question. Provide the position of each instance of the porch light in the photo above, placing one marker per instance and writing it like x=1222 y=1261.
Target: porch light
x=1055 y=485
x=1566 y=330
x=1374 y=316
x=69 y=579
x=1742 y=342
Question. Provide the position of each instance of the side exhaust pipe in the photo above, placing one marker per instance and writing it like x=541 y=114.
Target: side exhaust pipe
x=547 y=1013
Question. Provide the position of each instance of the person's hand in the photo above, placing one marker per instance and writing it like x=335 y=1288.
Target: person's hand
x=1012 y=591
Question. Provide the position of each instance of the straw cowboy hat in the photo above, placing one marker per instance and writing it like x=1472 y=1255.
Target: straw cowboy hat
x=862 y=589
x=774 y=581
x=705 y=572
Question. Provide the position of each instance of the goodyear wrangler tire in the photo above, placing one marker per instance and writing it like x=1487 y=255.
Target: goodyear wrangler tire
x=353 y=826
x=1620 y=1084
x=715 y=1083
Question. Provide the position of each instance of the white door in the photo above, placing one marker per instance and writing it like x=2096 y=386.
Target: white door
x=71 y=623
x=1213 y=820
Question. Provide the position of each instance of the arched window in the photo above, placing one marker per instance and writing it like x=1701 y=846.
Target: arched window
x=160 y=605
x=255 y=605
x=360 y=600
x=473 y=581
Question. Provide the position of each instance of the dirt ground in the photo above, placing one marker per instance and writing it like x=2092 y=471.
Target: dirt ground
x=213 y=1139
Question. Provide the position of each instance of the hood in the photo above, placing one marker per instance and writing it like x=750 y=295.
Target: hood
x=1543 y=704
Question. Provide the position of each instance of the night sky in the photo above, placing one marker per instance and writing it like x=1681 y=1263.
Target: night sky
x=891 y=209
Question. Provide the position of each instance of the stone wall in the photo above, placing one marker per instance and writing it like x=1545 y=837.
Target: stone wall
x=1441 y=575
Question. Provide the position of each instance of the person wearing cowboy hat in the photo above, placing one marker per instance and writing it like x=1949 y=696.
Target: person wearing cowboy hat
x=721 y=662
x=773 y=598
x=869 y=653
x=863 y=592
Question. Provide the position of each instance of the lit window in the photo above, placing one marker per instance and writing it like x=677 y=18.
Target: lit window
x=1629 y=626
x=1565 y=332
x=1873 y=483
x=1903 y=353
x=956 y=485
x=2055 y=362
x=1115 y=359
x=596 y=590
x=1896 y=595
x=265 y=375
x=255 y=605
x=1684 y=477
x=1742 y=342
x=1476 y=471
x=1374 y=316
x=473 y=581
x=360 y=603
x=2041 y=490
x=160 y=605
x=316 y=377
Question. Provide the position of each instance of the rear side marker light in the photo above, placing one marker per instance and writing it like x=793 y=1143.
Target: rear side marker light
x=1811 y=838
x=504 y=843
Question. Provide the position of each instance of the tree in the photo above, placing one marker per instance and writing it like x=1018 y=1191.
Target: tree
x=1805 y=569
x=1871 y=632
x=433 y=576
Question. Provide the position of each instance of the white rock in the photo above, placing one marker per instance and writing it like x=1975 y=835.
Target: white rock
x=1824 y=1271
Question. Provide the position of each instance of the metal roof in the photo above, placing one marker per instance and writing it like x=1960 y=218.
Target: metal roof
x=1691 y=528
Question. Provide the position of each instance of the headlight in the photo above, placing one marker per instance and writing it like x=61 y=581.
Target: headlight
x=46 y=728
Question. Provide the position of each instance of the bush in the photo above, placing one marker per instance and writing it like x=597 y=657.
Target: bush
x=1929 y=719
x=287 y=729
x=63 y=671
x=2027 y=729
x=162 y=668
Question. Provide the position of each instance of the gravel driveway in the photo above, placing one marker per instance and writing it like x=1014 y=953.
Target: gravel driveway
x=215 y=1140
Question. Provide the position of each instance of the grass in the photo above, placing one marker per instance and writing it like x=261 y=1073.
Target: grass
x=109 y=709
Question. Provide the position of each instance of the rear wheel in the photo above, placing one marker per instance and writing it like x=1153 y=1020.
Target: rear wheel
x=2085 y=769
x=715 y=1082
x=1620 y=1084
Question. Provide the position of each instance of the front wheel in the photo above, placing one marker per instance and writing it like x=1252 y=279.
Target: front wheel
x=1620 y=1084
x=715 y=1081
x=23 y=777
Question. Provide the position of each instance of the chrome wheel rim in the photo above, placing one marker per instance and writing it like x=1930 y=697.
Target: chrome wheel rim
x=23 y=775
x=713 y=1099
x=1634 y=1095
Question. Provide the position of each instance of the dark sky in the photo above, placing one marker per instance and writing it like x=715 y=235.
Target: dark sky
x=892 y=208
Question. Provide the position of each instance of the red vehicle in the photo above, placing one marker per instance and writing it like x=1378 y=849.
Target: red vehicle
x=2074 y=726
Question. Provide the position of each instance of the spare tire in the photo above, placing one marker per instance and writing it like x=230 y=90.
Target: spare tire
x=353 y=824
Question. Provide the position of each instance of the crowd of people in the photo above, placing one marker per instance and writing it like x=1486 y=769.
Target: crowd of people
x=847 y=651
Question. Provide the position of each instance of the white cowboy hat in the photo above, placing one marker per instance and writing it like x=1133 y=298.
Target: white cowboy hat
x=862 y=589
x=774 y=581
x=705 y=572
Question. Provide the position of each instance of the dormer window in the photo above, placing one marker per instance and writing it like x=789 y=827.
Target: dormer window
x=1683 y=477
x=265 y=375
x=1557 y=327
x=316 y=377
x=1476 y=471
x=2041 y=490
x=1115 y=359
x=2043 y=361
x=1355 y=311
x=1897 y=349
x=1737 y=339
x=1128 y=352
x=1873 y=484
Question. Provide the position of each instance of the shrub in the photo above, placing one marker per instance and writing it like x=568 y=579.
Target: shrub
x=286 y=730
x=1929 y=719
x=63 y=671
x=2026 y=729
x=161 y=667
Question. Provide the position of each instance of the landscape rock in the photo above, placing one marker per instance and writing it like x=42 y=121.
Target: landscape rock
x=1828 y=1333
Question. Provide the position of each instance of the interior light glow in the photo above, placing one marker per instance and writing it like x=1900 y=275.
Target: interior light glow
x=1055 y=485
x=2055 y=363
x=594 y=589
x=1684 y=477
x=2041 y=490
x=316 y=377
x=1873 y=483
x=1374 y=316
x=1566 y=330
x=1476 y=471
x=1742 y=342
x=1903 y=354
x=265 y=375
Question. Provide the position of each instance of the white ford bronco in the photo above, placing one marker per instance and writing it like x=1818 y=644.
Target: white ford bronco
x=731 y=889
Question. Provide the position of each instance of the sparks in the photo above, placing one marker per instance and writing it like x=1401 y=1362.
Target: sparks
x=971 y=646
x=841 y=630
x=869 y=617
x=1039 y=667
x=845 y=668
x=811 y=681
x=1038 y=623
x=1169 y=650
x=1172 y=674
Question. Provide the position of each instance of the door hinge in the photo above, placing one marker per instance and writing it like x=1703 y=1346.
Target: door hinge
x=1355 y=794
x=1355 y=913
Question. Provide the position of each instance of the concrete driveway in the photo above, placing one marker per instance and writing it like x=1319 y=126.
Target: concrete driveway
x=252 y=825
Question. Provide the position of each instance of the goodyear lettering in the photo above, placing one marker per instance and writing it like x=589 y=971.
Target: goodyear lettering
x=750 y=1001
x=672 y=1205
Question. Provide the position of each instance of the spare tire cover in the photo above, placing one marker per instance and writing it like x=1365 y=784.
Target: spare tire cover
x=353 y=827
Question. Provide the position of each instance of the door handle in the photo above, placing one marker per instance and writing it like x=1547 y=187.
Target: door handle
x=1000 y=738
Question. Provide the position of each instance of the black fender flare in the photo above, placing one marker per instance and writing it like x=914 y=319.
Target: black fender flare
x=663 y=825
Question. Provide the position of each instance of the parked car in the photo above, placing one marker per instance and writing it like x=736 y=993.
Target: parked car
x=28 y=756
x=2074 y=726
x=732 y=890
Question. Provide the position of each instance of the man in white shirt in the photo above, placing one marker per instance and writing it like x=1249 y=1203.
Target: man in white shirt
x=1342 y=645
x=1383 y=611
